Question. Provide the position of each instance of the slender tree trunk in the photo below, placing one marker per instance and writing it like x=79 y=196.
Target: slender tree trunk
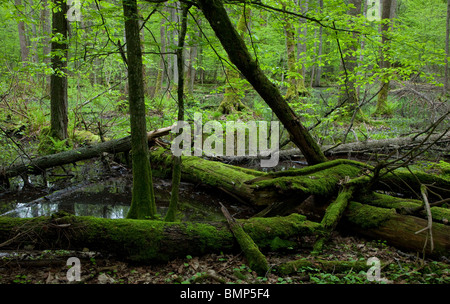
x=24 y=51
x=303 y=38
x=239 y=55
x=176 y=171
x=58 y=80
x=46 y=48
x=296 y=81
x=143 y=200
x=318 y=72
x=447 y=49
x=162 y=62
x=386 y=14
x=351 y=62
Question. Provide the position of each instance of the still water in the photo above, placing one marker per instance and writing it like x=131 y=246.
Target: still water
x=109 y=196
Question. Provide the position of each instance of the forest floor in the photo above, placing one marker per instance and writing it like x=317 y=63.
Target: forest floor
x=49 y=267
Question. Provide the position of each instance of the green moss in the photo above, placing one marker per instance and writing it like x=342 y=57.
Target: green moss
x=336 y=209
x=366 y=216
x=85 y=137
x=276 y=244
x=48 y=144
x=264 y=230
x=321 y=182
x=257 y=261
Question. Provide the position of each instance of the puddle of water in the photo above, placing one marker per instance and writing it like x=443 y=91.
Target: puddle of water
x=110 y=198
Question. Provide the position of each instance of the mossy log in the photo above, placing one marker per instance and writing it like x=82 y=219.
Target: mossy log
x=262 y=189
x=150 y=240
x=406 y=206
x=333 y=215
x=256 y=260
x=396 y=229
x=287 y=189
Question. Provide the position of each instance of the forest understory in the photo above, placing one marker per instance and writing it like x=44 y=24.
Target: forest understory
x=398 y=267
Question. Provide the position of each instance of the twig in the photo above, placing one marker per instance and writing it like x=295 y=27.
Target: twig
x=423 y=190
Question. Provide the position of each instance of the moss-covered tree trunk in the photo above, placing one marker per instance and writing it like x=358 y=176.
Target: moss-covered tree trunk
x=149 y=240
x=143 y=200
x=239 y=55
x=58 y=80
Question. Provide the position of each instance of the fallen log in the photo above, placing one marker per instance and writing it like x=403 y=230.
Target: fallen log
x=290 y=187
x=156 y=241
x=380 y=145
x=406 y=206
x=396 y=229
x=149 y=240
x=40 y=164
x=256 y=260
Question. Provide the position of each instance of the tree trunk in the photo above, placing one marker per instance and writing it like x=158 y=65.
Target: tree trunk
x=46 y=48
x=318 y=72
x=296 y=74
x=156 y=241
x=176 y=171
x=24 y=51
x=239 y=55
x=151 y=241
x=232 y=97
x=351 y=63
x=40 y=164
x=58 y=80
x=143 y=200
x=447 y=49
x=386 y=14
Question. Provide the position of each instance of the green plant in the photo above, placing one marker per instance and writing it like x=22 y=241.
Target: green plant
x=22 y=279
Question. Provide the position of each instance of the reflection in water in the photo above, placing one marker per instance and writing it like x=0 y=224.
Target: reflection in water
x=111 y=199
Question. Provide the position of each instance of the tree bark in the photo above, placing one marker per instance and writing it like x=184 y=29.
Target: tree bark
x=176 y=171
x=151 y=241
x=58 y=80
x=143 y=199
x=386 y=14
x=351 y=62
x=239 y=55
x=447 y=49
x=24 y=51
